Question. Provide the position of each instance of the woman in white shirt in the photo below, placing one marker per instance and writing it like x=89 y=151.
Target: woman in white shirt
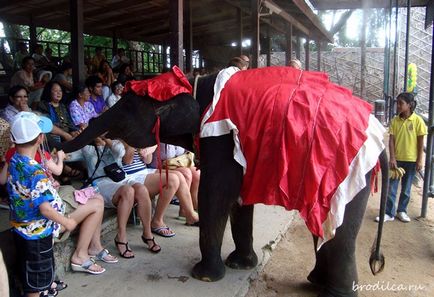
x=117 y=89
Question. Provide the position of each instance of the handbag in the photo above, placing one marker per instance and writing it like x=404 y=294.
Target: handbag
x=114 y=172
x=184 y=160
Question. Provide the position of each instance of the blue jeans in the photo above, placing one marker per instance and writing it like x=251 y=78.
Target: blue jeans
x=404 y=197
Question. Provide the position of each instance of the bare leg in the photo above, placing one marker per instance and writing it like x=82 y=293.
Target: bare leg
x=144 y=212
x=188 y=179
x=90 y=217
x=185 y=201
x=152 y=183
x=124 y=201
x=194 y=189
x=141 y=196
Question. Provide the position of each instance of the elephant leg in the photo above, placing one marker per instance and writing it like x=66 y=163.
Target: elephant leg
x=336 y=259
x=219 y=188
x=244 y=257
x=318 y=275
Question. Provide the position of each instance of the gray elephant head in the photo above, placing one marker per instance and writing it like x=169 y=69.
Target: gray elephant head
x=133 y=119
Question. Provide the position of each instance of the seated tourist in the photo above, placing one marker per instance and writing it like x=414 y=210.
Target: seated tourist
x=191 y=173
x=119 y=59
x=94 y=84
x=105 y=73
x=81 y=109
x=18 y=101
x=96 y=60
x=24 y=77
x=122 y=194
x=20 y=54
x=64 y=79
x=117 y=89
x=125 y=74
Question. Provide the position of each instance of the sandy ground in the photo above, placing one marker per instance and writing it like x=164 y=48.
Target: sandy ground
x=408 y=248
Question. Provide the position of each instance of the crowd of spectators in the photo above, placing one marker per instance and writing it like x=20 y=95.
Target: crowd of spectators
x=41 y=86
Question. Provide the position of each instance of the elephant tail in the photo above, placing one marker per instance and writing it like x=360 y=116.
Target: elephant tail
x=376 y=260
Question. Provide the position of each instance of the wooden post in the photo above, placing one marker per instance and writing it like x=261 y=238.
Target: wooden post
x=318 y=46
x=407 y=43
x=268 y=44
x=33 y=37
x=77 y=41
x=363 y=55
x=298 y=48
x=176 y=33
x=114 y=43
x=188 y=36
x=240 y=28
x=307 y=54
x=164 y=54
x=255 y=33
x=288 y=56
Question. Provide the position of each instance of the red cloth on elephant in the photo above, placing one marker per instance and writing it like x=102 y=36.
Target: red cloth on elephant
x=298 y=134
x=162 y=87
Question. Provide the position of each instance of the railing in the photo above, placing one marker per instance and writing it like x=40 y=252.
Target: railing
x=143 y=62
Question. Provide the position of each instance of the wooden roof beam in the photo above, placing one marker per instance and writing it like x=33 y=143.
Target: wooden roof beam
x=273 y=7
x=348 y=4
x=313 y=18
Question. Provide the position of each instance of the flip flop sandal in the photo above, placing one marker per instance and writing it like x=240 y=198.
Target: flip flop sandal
x=85 y=267
x=160 y=231
x=154 y=248
x=102 y=257
x=127 y=249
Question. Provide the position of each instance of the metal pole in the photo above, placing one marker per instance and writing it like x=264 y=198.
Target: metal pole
x=428 y=178
x=395 y=54
x=407 y=44
x=387 y=26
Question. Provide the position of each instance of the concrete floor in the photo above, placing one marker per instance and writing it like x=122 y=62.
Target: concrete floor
x=168 y=273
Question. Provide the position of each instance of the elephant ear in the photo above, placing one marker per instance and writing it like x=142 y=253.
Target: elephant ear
x=180 y=119
x=132 y=120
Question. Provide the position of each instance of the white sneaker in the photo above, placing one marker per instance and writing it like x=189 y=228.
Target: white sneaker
x=403 y=217
x=387 y=218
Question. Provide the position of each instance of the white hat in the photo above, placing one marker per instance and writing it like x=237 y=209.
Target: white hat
x=44 y=72
x=26 y=126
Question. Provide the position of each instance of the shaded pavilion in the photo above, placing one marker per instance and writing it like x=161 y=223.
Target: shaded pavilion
x=182 y=25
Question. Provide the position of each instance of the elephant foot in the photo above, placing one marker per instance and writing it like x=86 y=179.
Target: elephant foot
x=208 y=272
x=237 y=261
x=331 y=292
x=316 y=278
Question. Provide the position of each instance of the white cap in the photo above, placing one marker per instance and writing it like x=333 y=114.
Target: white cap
x=26 y=126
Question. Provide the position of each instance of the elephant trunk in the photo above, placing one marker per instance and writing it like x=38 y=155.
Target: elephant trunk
x=376 y=260
x=96 y=127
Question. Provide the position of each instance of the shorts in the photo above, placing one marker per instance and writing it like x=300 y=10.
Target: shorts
x=108 y=188
x=36 y=263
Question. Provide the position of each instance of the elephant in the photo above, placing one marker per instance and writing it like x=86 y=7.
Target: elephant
x=142 y=121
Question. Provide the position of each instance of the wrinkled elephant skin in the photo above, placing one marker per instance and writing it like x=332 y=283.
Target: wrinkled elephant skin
x=133 y=119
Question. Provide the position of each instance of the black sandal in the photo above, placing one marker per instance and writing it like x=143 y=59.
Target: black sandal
x=127 y=249
x=48 y=293
x=154 y=248
x=60 y=285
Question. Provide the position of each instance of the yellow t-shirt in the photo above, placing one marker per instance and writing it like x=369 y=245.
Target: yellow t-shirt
x=406 y=133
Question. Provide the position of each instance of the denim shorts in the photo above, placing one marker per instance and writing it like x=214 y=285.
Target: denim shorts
x=36 y=263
